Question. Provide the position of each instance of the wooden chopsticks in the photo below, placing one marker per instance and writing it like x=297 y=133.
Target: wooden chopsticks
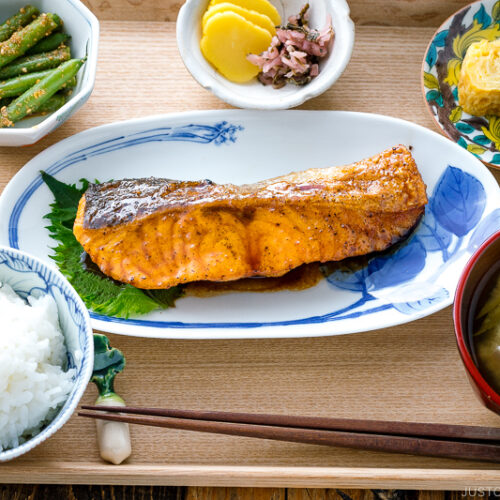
x=440 y=440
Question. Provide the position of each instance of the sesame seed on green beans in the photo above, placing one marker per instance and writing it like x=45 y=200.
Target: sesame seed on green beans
x=38 y=62
x=28 y=36
x=29 y=102
x=25 y=15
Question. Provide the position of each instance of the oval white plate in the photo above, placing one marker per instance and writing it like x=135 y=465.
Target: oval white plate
x=248 y=146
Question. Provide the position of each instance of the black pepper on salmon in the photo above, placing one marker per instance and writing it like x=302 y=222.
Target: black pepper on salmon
x=158 y=233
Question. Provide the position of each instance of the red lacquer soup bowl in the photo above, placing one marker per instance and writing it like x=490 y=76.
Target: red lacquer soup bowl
x=476 y=278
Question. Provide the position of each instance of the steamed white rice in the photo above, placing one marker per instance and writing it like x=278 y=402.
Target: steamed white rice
x=33 y=382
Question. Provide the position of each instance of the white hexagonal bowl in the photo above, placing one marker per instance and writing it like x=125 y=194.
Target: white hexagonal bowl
x=254 y=95
x=83 y=27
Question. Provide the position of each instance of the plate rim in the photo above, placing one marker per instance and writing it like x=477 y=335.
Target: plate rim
x=275 y=331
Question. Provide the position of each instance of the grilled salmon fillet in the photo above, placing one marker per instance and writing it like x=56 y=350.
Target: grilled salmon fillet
x=157 y=233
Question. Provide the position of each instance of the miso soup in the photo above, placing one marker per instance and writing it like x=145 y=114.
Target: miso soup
x=486 y=339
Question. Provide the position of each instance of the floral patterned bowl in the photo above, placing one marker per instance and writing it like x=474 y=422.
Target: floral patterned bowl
x=480 y=135
x=27 y=275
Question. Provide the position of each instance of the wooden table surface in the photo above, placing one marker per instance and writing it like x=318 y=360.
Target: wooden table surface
x=412 y=372
x=86 y=492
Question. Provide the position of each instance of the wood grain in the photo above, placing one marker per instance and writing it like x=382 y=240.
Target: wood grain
x=207 y=493
x=415 y=13
x=242 y=493
x=412 y=372
x=86 y=492
x=326 y=376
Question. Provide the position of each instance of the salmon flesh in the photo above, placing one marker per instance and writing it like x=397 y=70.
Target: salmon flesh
x=157 y=233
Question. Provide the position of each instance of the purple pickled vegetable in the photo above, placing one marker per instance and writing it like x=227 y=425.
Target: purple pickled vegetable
x=294 y=53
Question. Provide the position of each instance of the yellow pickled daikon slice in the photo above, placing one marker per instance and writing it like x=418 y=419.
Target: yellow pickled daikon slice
x=261 y=6
x=228 y=39
x=250 y=15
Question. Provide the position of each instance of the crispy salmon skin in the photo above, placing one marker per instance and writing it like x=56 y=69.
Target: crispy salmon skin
x=158 y=233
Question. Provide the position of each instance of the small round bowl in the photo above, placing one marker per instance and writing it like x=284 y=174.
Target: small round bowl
x=28 y=275
x=254 y=95
x=83 y=27
x=484 y=263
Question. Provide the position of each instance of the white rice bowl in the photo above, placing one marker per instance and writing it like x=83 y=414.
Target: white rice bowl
x=34 y=382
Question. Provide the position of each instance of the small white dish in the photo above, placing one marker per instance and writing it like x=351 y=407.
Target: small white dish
x=28 y=275
x=254 y=95
x=234 y=146
x=83 y=27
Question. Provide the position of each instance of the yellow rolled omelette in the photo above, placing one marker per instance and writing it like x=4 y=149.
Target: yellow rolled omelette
x=479 y=83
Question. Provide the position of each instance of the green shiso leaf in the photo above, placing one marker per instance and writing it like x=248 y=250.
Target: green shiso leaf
x=100 y=294
x=165 y=298
x=66 y=195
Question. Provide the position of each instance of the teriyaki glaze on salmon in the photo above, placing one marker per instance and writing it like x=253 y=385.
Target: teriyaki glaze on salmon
x=157 y=233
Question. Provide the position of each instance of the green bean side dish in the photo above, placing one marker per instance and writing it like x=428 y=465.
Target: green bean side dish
x=37 y=73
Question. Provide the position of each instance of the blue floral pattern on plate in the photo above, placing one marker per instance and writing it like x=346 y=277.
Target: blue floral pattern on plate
x=455 y=208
